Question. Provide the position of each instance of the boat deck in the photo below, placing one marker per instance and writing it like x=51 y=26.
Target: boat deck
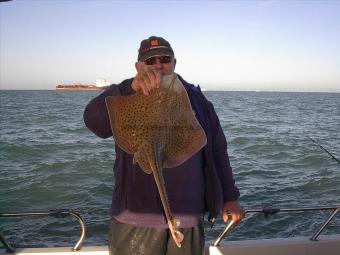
x=326 y=245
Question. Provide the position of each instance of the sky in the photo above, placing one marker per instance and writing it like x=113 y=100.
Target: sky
x=220 y=45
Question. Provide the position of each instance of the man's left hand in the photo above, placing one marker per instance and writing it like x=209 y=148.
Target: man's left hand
x=234 y=210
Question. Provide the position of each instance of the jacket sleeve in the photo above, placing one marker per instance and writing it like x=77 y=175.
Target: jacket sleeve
x=96 y=117
x=222 y=163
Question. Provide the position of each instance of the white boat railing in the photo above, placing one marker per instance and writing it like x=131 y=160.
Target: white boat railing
x=55 y=213
x=266 y=211
x=271 y=211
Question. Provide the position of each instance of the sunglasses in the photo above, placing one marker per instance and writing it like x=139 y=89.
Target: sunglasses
x=162 y=60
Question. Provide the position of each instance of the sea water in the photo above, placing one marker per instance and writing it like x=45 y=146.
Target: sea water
x=50 y=160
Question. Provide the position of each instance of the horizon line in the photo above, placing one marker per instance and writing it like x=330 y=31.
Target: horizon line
x=202 y=89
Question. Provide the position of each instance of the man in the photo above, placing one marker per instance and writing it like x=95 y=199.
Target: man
x=202 y=183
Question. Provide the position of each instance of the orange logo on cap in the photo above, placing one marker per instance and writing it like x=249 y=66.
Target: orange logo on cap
x=154 y=42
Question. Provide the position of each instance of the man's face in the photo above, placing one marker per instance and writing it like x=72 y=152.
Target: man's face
x=165 y=64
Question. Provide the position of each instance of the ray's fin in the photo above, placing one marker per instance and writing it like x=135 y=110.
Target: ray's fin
x=140 y=158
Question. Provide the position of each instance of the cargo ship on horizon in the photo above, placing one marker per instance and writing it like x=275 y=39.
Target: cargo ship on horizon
x=100 y=85
x=78 y=87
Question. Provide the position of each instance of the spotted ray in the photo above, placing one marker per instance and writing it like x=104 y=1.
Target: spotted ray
x=160 y=130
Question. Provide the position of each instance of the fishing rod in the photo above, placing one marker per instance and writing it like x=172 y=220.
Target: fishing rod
x=325 y=150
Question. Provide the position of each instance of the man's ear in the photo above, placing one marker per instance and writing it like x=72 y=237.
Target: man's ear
x=138 y=66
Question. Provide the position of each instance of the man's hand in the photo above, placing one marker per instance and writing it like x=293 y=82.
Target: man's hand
x=146 y=80
x=234 y=210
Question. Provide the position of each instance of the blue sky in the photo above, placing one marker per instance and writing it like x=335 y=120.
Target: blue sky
x=221 y=45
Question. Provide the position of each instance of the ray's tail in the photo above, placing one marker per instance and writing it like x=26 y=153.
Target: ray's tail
x=173 y=223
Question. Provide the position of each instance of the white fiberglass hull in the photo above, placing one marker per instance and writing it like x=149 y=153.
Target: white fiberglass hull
x=326 y=245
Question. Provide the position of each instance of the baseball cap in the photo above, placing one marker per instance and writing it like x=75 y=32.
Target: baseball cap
x=154 y=46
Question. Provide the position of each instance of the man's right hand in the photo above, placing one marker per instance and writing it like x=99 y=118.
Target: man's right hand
x=147 y=80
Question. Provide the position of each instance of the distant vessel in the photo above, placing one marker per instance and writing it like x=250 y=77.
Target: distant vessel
x=77 y=86
x=101 y=84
